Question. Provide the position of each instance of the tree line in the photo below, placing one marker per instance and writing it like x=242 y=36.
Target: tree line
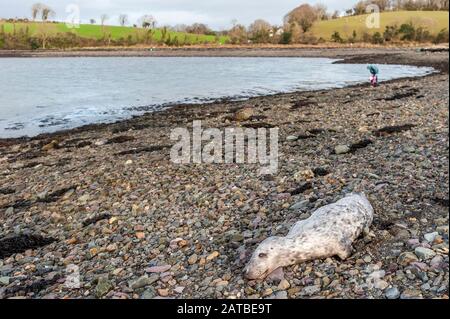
x=296 y=28
x=399 y=5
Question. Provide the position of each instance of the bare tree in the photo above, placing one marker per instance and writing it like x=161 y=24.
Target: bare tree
x=336 y=14
x=46 y=13
x=180 y=28
x=123 y=19
x=103 y=19
x=259 y=31
x=304 y=16
x=360 y=8
x=35 y=10
x=199 y=28
x=321 y=11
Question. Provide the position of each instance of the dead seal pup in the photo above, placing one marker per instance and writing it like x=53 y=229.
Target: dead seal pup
x=330 y=231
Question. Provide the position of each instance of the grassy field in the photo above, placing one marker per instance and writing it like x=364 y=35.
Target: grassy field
x=117 y=32
x=434 y=21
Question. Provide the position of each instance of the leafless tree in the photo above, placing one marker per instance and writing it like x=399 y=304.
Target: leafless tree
x=198 y=28
x=123 y=20
x=103 y=19
x=336 y=14
x=321 y=11
x=180 y=28
x=35 y=10
x=46 y=13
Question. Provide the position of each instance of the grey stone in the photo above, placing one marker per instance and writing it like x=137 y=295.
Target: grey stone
x=424 y=253
x=4 y=281
x=392 y=293
x=301 y=205
x=310 y=290
x=150 y=293
x=431 y=236
x=103 y=287
x=341 y=149
x=291 y=138
x=411 y=294
x=144 y=281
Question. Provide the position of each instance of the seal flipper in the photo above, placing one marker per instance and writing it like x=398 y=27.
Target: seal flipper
x=345 y=252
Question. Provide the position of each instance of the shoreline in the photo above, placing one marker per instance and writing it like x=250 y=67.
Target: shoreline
x=400 y=56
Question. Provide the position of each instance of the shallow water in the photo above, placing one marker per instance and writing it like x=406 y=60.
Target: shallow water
x=40 y=95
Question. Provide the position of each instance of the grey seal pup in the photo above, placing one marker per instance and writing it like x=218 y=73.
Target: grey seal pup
x=330 y=231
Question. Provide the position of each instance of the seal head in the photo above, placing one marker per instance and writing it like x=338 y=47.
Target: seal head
x=265 y=259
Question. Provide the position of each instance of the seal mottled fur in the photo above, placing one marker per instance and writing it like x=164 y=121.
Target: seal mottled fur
x=330 y=231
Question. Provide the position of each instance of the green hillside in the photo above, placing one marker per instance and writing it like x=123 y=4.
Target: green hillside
x=433 y=21
x=117 y=32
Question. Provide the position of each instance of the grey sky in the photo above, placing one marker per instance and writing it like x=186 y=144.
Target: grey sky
x=216 y=13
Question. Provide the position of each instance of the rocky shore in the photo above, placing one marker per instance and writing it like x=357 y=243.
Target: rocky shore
x=106 y=202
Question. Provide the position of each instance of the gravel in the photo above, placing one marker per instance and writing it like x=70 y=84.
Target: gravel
x=160 y=230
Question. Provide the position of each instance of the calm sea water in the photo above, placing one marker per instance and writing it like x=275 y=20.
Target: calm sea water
x=40 y=95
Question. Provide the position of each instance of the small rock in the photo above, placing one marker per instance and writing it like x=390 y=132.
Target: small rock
x=302 y=205
x=310 y=290
x=103 y=287
x=411 y=294
x=193 y=259
x=9 y=211
x=424 y=253
x=4 y=281
x=244 y=115
x=158 y=269
x=392 y=293
x=291 y=138
x=284 y=285
x=442 y=229
x=280 y=295
x=144 y=281
x=179 y=290
x=436 y=262
x=148 y=294
x=50 y=146
x=431 y=236
x=267 y=292
x=111 y=247
x=163 y=292
x=367 y=259
x=380 y=284
x=406 y=258
x=212 y=256
x=341 y=149
x=140 y=235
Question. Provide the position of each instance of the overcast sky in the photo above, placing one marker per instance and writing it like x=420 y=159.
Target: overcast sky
x=218 y=14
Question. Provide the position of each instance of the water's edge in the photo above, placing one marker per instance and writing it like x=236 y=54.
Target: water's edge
x=99 y=126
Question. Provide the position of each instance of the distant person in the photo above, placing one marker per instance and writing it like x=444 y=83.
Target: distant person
x=373 y=75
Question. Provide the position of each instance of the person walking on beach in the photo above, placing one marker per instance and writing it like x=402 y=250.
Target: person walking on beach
x=373 y=75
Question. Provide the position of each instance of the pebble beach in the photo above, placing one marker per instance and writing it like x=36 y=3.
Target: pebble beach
x=105 y=201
